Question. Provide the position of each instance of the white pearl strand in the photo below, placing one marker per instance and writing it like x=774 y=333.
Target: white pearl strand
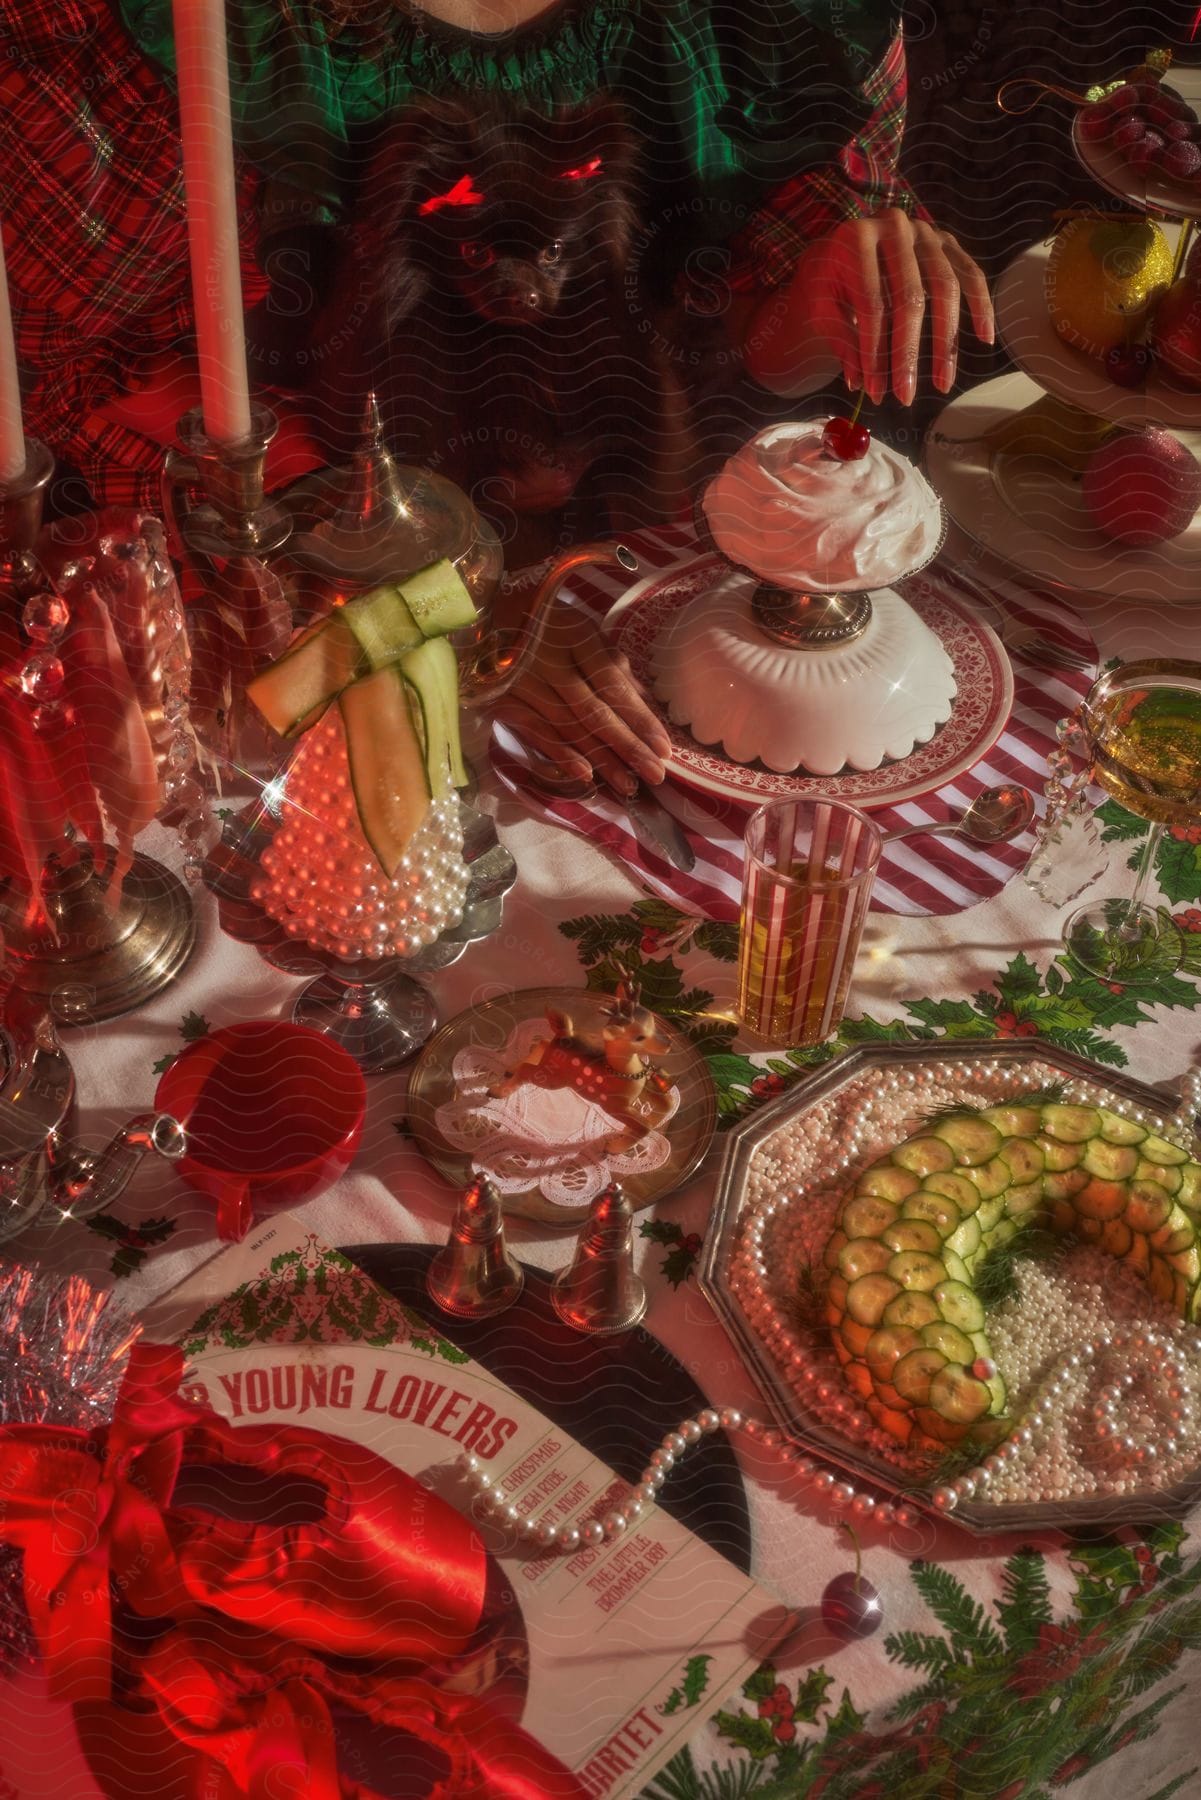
x=818 y=1378
x=567 y=1539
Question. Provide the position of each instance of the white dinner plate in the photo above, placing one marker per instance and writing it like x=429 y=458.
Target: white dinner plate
x=1029 y=511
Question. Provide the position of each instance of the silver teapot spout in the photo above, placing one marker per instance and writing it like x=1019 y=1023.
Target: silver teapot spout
x=82 y=1183
x=507 y=655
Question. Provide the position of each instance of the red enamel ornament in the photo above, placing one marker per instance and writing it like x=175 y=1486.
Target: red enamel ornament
x=846 y=440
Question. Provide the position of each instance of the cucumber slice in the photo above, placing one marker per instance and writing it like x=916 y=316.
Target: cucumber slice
x=1158 y=1150
x=972 y=1139
x=1187 y=1264
x=1168 y=1178
x=1189 y=1191
x=863 y=1256
x=1116 y=1130
x=432 y=671
x=924 y=1156
x=387 y=769
x=383 y=625
x=1071 y=1124
x=933 y=1432
x=1112 y=1162
x=887 y=1181
x=913 y=1374
x=990 y=1214
x=949 y=1341
x=990 y=1179
x=1102 y=1199
x=1176 y=1233
x=916 y=1269
x=1026 y=1161
x=1065 y=1186
x=957 y=1396
x=1058 y=1156
x=307 y=676
x=935 y=1209
x=966 y=1239
x=867 y=1297
x=887 y=1347
x=955 y=1267
x=1021 y=1202
x=1014 y=1121
x=868 y=1216
x=913 y=1234
x=438 y=600
x=959 y=1306
x=1148 y=1207
x=958 y=1188
x=912 y=1310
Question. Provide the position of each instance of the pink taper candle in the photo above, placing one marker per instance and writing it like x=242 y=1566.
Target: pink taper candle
x=12 y=438
x=202 y=62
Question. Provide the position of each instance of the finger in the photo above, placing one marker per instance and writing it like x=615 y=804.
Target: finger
x=826 y=294
x=974 y=284
x=592 y=717
x=544 y=738
x=542 y=735
x=906 y=303
x=611 y=678
x=867 y=298
x=945 y=300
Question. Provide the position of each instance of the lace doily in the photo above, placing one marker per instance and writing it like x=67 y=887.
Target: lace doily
x=552 y=1139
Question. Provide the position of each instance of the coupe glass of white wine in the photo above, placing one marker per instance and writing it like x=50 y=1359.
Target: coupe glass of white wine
x=1141 y=725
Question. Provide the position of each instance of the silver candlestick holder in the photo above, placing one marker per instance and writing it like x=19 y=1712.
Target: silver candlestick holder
x=95 y=950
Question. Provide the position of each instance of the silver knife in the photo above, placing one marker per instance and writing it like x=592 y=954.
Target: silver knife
x=655 y=827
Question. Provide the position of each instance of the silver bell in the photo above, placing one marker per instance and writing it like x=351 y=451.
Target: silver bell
x=600 y=1291
x=474 y=1275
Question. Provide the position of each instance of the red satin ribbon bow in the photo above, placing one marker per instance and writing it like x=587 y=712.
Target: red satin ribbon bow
x=86 y=1509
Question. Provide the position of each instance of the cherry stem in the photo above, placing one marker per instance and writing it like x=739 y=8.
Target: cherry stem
x=855 y=1545
x=858 y=406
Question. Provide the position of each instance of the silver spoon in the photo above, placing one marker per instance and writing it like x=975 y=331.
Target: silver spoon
x=994 y=816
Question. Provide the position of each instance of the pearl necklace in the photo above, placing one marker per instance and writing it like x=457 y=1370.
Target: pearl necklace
x=1156 y=1347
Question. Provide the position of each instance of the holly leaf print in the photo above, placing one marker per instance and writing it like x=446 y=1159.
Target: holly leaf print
x=164 y=1062
x=132 y=1241
x=1178 y=869
x=661 y=1231
x=695 y=1681
x=1117 y=824
x=194 y=1027
x=677 y=1266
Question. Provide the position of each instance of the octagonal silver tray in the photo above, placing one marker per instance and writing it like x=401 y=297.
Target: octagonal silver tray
x=989 y=1065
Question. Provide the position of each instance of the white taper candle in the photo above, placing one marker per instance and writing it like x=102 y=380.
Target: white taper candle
x=202 y=62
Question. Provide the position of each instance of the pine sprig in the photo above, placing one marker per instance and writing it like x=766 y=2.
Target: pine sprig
x=919 y=1650
x=1025 y=1601
x=956 y=1611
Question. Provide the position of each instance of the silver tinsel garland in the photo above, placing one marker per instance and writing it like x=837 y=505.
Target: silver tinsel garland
x=63 y=1349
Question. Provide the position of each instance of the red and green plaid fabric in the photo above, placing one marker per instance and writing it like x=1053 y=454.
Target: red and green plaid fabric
x=95 y=231
x=862 y=181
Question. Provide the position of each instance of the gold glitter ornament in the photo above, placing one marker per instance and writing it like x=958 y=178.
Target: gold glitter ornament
x=1103 y=278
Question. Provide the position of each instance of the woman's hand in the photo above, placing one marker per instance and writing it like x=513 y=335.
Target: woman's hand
x=577 y=705
x=861 y=295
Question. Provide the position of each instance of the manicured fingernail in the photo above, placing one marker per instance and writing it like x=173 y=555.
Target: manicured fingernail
x=907 y=388
x=650 y=769
x=944 y=375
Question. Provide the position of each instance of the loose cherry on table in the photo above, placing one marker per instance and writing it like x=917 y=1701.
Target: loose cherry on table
x=850 y=1604
x=846 y=440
